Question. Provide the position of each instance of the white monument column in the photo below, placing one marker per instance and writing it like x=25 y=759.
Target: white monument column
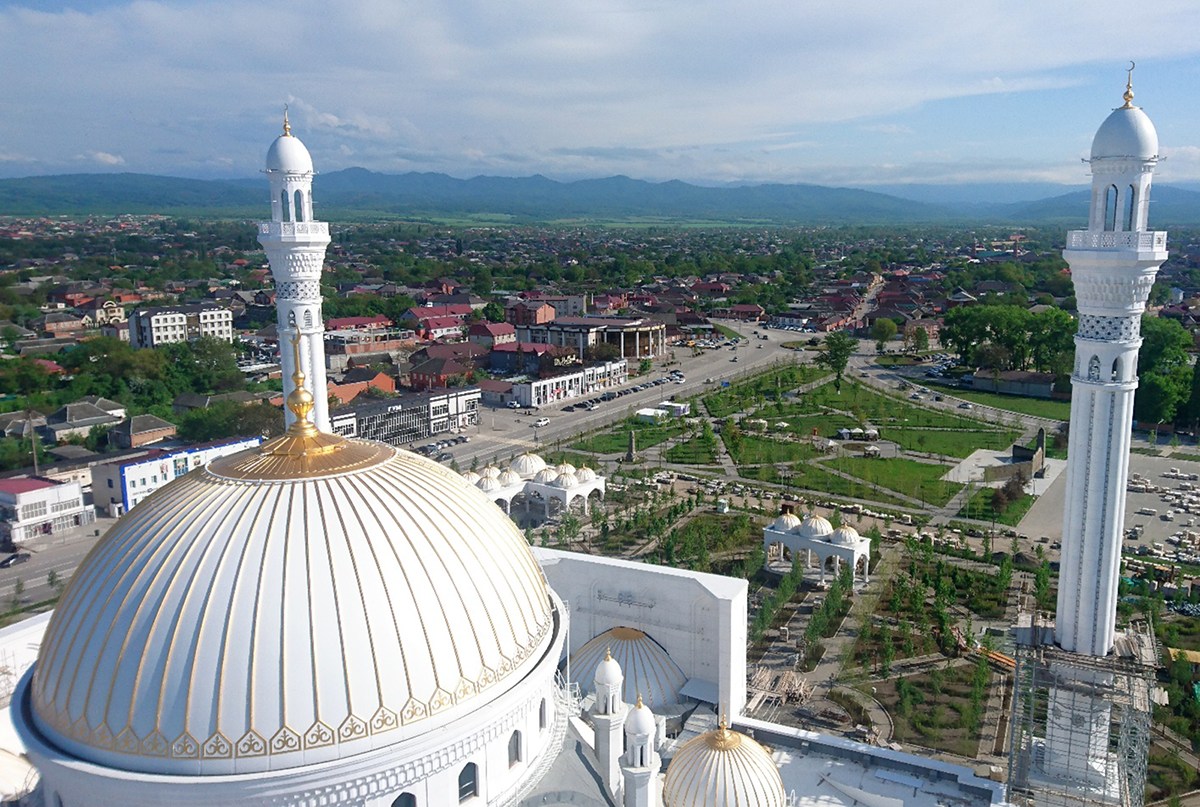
x=295 y=247
x=1113 y=263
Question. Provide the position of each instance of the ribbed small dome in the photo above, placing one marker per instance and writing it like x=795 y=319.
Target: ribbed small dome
x=647 y=669
x=509 y=478
x=280 y=608
x=527 y=465
x=546 y=476
x=288 y=154
x=786 y=522
x=586 y=474
x=489 y=484
x=723 y=768
x=566 y=468
x=471 y=477
x=565 y=481
x=815 y=526
x=608 y=672
x=490 y=471
x=845 y=535
x=1126 y=133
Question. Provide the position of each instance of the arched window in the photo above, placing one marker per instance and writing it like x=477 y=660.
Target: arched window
x=468 y=782
x=284 y=210
x=405 y=800
x=308 y=320
x=1130 y=207
x=291 y=319
x=1116 y=370
x=542 y=715
x=299 y=206
x=1110 y=208
x=514 y=749
x=1094 y=369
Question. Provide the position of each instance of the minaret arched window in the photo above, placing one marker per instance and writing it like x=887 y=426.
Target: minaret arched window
x=405 y=800
x=1110 y=208
x=514 y=749
x=1130 y=208
x=299 y=206
x=291 y=319
x=468 y=782
x=284 y=207
x=1094 y=369
x=542 y=715
x=1116 y=370
x=308 y=319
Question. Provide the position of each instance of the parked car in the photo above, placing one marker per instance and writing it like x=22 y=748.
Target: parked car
x=513 y=405
x=540 y=422
x=14 y=559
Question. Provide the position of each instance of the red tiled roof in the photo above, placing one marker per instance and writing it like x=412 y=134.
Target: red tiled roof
x=24 y=485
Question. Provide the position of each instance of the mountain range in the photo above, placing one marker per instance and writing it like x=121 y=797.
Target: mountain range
x=357 y=192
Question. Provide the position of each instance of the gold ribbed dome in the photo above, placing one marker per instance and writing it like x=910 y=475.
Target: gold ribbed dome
x=720 y=768
x=314 y=598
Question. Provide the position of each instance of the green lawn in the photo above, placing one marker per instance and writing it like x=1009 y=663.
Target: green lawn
x=1038 y=407
x=949 y=443
x=700 y=450
x=980 y=508
x=920 y=480
x=867 y=406
x=753 y=391
x=751 y=450
x=617 y=438
x=812 y=477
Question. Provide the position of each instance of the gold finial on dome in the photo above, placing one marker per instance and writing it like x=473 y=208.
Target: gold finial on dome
x=287 y=126
x=608 y=654
x=639 y=702
x=1128 y=96
x=723 y=738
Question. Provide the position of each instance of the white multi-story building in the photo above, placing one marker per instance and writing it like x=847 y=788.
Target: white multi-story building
x=34 y=509
x=152 y=327
x=117 y=487
x=586 y=381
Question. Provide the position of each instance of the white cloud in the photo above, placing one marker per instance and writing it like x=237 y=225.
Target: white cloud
x=102 y=158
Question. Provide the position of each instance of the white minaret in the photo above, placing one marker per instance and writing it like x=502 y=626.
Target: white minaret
x=1113 y=263
x=608 y=718
x=295 y=247
x=641 y=763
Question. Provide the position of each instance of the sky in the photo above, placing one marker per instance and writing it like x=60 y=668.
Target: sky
x=832 y=92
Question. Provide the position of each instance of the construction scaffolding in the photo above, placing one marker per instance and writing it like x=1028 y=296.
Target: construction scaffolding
x=1080 y=724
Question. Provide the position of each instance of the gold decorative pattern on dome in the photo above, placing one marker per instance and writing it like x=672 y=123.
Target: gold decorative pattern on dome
x=303 y=450
x=721 y=738
x=1128 y=96
x=625 y=634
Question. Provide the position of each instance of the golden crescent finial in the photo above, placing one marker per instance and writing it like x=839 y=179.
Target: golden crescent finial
x=608 y=654
x=639 y=701
x=1128 y=96
x=287 y=126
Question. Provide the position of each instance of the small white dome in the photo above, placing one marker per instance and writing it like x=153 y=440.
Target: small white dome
x=488 y=484
x=471 y=477
x=640 y=721
x=509 y=478
x=786 y=522
x=490 y=472
x=566 y=468
x=845 y=536
x=608 y=672
x=566 y=481
x=288 y=154
x=815 y=526
x=527 y=465
x=586 y=475
x=546 y=476
x=1126 y=133
x=722 y=767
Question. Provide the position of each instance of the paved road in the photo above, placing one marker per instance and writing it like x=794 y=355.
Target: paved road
x=61 y=555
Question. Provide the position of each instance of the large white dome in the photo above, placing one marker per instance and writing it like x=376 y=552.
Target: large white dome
x=278 y=609
x=1126 y=133
x=646 y=668
x=722 y=767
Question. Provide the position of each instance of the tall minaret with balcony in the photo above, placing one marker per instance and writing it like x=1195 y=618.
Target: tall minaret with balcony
x=1113 y=263
x=295 y=247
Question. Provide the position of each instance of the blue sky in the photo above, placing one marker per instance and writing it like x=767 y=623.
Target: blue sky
x=839 y=92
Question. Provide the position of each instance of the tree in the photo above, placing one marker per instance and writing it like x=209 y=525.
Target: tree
x=920 y=340
x=835 y=353
x=882 y=332
x=1165 y=375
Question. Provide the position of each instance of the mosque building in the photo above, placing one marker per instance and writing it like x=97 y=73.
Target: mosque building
x=330 y=621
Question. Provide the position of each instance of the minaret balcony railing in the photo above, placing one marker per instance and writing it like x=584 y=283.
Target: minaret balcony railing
x=293 y=228
x=1108 y=239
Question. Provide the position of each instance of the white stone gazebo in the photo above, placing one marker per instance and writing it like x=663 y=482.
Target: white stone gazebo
x=814 y=535
x=528 y=479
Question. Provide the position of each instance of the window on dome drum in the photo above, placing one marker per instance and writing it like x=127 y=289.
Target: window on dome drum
x=299 y=206
x=1110 y=208
x=468 y=782
x=1129 y=207
x=514 y=749
x=542 y=715
x=405 y=800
